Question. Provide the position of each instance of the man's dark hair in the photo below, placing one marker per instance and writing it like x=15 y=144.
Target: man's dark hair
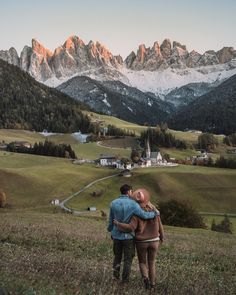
x=125 y=188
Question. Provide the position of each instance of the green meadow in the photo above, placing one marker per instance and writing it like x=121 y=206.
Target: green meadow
x=207 y=189
x=44 y=250
x=93 y=151
x=32 y=181
x=56 y=253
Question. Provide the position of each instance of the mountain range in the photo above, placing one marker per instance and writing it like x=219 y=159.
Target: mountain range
x=155 y=84
x=118 y=99
x=159 y=69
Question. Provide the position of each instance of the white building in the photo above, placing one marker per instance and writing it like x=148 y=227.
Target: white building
x=154 y=159
x=55 y=202
x=107 y=160
x=120 y=165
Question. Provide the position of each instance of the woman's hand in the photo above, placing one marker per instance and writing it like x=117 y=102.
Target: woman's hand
x=152 y=207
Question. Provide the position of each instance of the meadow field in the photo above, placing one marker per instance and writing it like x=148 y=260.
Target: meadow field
x=46 y=251
x=58 y=253
x=32 y=181
x=207 y=189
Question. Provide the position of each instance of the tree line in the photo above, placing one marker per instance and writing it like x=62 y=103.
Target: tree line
x=47 y=148
x=160 y=137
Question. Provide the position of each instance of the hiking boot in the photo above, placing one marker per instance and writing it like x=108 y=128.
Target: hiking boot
x=152 y=288
x=146 y=283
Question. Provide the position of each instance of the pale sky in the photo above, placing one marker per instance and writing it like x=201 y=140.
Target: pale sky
x=120 y=25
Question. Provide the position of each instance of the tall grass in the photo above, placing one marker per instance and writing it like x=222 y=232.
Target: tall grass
x=63 y=254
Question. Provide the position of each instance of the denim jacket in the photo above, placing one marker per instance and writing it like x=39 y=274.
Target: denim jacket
x=122 y=209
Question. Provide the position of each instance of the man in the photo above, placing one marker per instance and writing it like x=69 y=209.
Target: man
x=122 y=209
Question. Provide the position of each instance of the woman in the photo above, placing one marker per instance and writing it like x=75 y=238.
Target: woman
x=148 y=235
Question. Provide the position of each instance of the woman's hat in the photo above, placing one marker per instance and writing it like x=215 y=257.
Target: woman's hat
x=141 y=195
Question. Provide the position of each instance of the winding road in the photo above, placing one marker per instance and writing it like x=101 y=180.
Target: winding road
x=62 y=204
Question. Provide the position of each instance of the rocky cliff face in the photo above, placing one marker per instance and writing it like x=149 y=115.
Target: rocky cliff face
x=175 y=56
x=67 y=60
x=10 y=56
x=161 y=65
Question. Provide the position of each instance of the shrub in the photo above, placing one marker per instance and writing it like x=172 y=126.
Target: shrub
x=97 y=193
x=180 y=213
x=225 y=226
x=3 y=199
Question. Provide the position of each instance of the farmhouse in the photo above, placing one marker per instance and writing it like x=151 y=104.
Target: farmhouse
x=202 y=157
x=108 y=160
x=120 y=165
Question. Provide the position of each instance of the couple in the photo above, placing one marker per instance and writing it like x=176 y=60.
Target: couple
x=134 y=221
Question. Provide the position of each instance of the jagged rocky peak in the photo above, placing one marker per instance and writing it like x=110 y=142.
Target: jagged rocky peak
x=97 y=48
x=73 y=42
x=10 y=56
x=119 y=59
x=175 y=55
x=40 y=49
x=38 y=63
x=25 y=58
x=226 y=54
x=166 y=48
x=100 y=55
x=208 y=58
x=156 y=48
x=177 y=44
x=141 y=53
x=130 y=59
x=193 y=59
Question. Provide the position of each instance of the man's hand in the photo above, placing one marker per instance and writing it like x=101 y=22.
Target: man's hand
x=116 y=222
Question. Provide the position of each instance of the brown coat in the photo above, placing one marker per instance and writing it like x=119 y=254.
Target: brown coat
x=144 y=229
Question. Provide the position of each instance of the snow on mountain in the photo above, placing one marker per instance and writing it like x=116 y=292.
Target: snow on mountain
x=158 y=69
x=163 y=81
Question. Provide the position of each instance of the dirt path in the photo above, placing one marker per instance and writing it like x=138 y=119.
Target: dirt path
x=62 y=204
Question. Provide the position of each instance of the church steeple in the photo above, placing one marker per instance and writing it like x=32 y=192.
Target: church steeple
x=148 y=149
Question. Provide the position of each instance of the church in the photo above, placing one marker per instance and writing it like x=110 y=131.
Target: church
x=151 y=158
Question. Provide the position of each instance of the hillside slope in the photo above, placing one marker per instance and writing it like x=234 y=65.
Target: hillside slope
x=27 y=104
x=65 y=254
x=118 y=99
x=213 y=112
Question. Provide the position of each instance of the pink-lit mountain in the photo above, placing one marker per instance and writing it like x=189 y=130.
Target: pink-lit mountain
x=157 y=68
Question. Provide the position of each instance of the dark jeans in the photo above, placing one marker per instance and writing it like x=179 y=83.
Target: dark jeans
x=120 y=248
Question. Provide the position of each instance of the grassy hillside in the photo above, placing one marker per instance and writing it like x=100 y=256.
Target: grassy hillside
x=93 y=151
x=9 y=135
x=33 y=181
x=63 y=254
x=106 y=120
x=44 y=251
x=208 y=189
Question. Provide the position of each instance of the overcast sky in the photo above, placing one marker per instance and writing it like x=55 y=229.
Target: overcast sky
x=120 y=25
